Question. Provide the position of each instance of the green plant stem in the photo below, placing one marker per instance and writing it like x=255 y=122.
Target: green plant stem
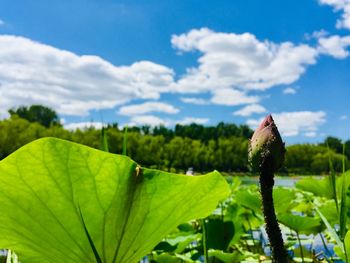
x=332 y=179
x=346 y=253
x=251 y=232
x=343 y=206
x=325 y=247
x=301 y=248
x=204 y=234
x=272 y=228
x=222 y=210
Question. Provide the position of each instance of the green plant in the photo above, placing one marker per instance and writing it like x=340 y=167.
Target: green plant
x=65 y=202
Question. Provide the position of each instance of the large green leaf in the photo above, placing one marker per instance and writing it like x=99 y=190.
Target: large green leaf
x=319 y=187
x=226 y=257
x=249 y=199
x=61 y=200
x=218 y=233
x=301 y=224
x=284 y=199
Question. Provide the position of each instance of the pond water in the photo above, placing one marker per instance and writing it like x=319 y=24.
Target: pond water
x=279 y=180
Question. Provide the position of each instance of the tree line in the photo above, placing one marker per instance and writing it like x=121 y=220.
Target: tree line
x=222 y=147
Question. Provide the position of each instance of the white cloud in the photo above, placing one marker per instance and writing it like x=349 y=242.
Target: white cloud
x=310 y=134
x=189 y=41
x=150 y=120
x=31 y=72
x=343 y=117
x=189 y=120
x=289 y=91
x=2 y=22
x=335 y=46
x=295 y=123
x=249 y=110
x=197 y=101
x=342 y=6
x=147 y=107
x=316 y=34
x=240 y=61
x=83 y=125
x=232 y=97
x=230 y=67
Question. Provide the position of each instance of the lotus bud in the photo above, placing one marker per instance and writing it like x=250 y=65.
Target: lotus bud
x=266 y=147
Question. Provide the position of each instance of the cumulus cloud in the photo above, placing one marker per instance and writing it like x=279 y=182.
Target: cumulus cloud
x=310 y=134
x=34 y=73
x=249 y=110
x=342 y=6
x=289 y=91
x=295 y=123
x=240 y=61
x=232 y=97
x=83 y=125
x=149 y=120
x=152 y=120
x=197 y=101
x=230 y=68
x=335 y=46
x=316 y=34
x=147 y=107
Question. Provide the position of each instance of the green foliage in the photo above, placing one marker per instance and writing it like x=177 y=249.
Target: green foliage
x=343 y=206
x=347 y=246
x=222 y=130
x=64 y=202
x=218 y=233
x=222 y=147
x=319 y=187
x=16 y=132
x=104 y=140
x=235 y=257
x=301 y=224
x=334 y=144
x=312 y=159
x=249 y=199
x=37 y=113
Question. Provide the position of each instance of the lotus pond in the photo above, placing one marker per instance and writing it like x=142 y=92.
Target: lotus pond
x=235 y=233
x=64 y=202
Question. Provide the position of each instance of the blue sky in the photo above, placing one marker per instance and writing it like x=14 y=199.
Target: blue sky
x=151 y=62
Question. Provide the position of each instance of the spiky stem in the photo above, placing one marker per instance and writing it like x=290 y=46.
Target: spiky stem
x=272 y=228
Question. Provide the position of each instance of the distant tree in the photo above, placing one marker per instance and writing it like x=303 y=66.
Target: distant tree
x=246 y=131
x=113 y=125
x=37 y=113
x=312 y=159
x=168 y=134
x=347 y=149
x=150 y=150
x=320 y=162
x=299 y=157
x=134 y=129
x=146 y=129
x=334 y=143
x=16 y=132
x=173 y=149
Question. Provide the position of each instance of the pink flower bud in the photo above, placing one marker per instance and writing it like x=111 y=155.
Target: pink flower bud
x=266 y=147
